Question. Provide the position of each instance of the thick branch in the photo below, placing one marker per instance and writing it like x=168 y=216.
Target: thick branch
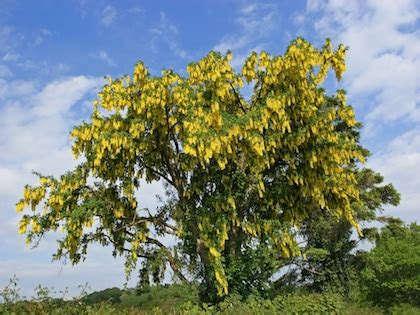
x=171 y=259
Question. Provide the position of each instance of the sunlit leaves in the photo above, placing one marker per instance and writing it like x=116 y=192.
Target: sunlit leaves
x=234 y=167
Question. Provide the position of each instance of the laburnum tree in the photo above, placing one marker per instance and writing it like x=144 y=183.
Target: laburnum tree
x=332 y=261
x=241 y=174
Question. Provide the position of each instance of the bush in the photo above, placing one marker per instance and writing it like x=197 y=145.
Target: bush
x=282 y=304
x=404 y=309
x=165 y=297
x=392 y=272
x=326 y=303
x=112 y=295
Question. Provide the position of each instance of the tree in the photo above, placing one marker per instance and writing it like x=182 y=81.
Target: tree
x=332 y=261
x=392 y=272
x=241 y=175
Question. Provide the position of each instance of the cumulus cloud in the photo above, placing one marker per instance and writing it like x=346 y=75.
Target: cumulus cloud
x=58 y=97
x=384 y=55
x=383 y=82
x=16 y=88
x=41 y=128
x=35 y=124
x=400 y=164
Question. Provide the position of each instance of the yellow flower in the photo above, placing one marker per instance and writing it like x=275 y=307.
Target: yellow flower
x=214 y=252
x=20 y=206
x=23 y=225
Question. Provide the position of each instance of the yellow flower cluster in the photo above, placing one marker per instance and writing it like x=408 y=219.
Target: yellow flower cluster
x=172 y=125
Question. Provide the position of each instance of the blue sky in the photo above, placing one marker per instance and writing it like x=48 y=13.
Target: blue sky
x=54 y=54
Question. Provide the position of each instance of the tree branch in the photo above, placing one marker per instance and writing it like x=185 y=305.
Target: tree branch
x=237 y=97
x=170 y=181
x=170 y=134
x=308 y=269
x=171 y=259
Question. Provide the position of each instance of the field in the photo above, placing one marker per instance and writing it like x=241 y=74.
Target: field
x=178 y=299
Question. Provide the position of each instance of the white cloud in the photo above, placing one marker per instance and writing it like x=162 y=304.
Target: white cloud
x=61 y=68
x=9 y=40
x=57 y=276
x=35 y=129
x=40 y=35
x=34 y=136
x=400 y=164
x=5 y=34
x=136 y=10
x=384 y=55
x=10 y=57
x=15 y=88
x=109 y=15
x=5 y=71
x=166 y=25
x=256 y=22
x=165 y=32
x=299 y=19
x=8 y=178
x=257 y=18
x=103 y=55
x=35 y=123
x=314 y=5
x=59 y=96
x=383 y=82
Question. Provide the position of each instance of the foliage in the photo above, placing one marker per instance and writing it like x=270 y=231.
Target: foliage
x=240 y=175
x=67 y=308
x=392 y=272
x=112 y=295
x=168 y=297
x=286 y=304
x=10 y=293
x=332 y=261
x=179 y=299
x=176 y=299
x=42 y=303
x=405 y=309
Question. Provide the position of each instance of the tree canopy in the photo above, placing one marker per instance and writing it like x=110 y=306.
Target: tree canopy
x=391 y=274
x=242 y=174
x=333 y=258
